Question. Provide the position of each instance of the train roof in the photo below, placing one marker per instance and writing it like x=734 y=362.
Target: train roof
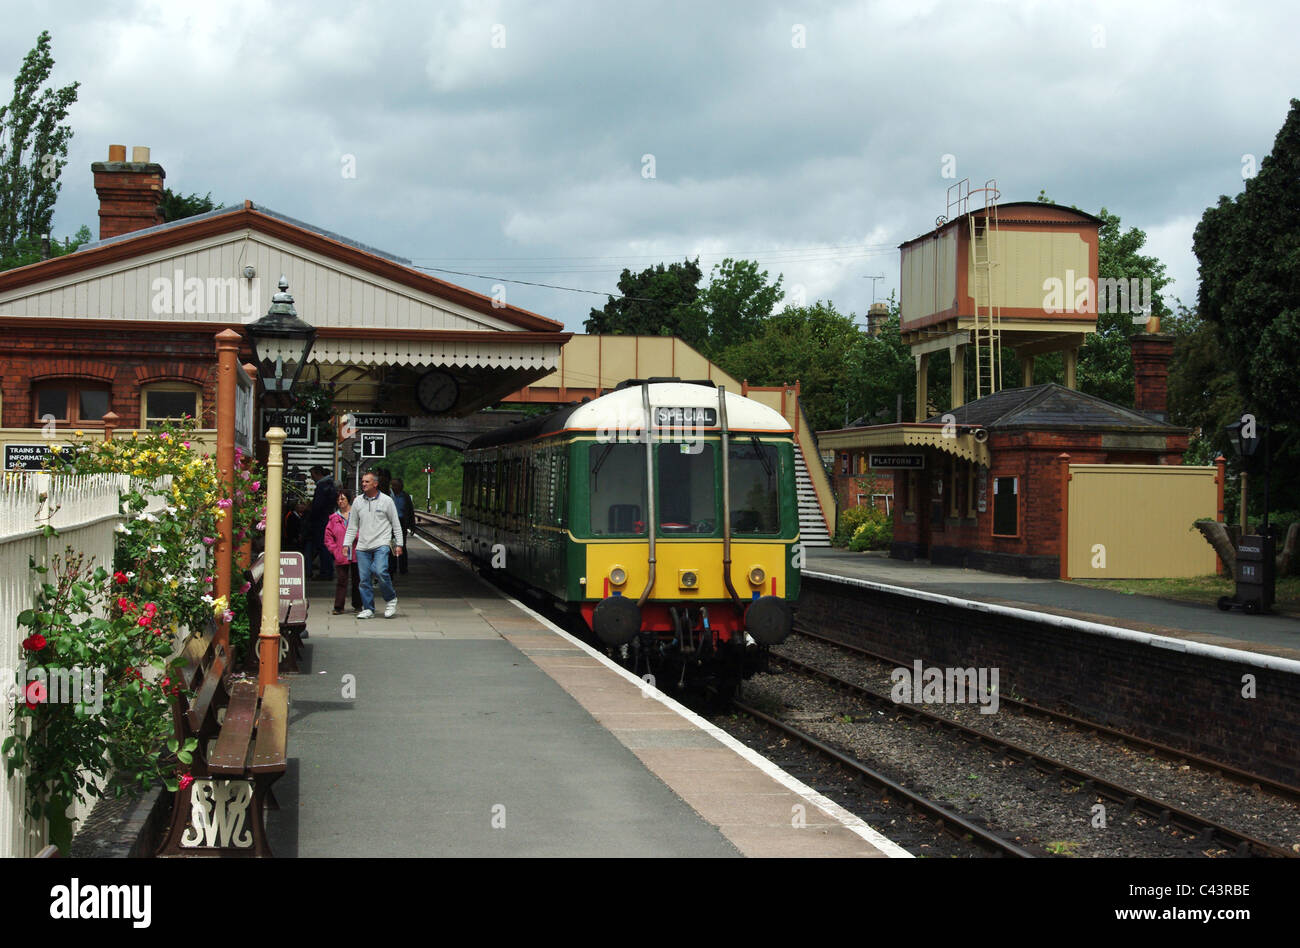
x=622 y=410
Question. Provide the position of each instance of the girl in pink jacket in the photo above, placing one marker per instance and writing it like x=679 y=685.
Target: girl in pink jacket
x=345 y=571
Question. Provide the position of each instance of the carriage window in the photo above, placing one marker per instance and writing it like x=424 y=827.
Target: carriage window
x=687 y=489
x=755 y=500
x=616 y=482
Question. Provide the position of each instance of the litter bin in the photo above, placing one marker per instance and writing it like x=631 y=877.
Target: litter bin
x=1254 y=576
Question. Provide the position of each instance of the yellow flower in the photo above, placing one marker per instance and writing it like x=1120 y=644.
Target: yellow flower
x=78 y=433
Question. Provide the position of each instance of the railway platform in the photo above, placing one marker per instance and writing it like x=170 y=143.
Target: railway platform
x=1277 y=635
x=467 y=725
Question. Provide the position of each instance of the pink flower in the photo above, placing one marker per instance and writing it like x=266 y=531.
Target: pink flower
x=244 y=588
x=164 y=436
x=186 y=780
x=261 y=525
x=185 y=444
x=208 y=580
x=227 y=617
x=257 y=485
x=209 y=541
x=224 y=503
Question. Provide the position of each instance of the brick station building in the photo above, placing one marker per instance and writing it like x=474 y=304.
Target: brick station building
x=985 y=488
x=127 y=325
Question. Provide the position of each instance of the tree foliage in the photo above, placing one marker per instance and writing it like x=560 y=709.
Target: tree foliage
x=1248 y=248
x=658 y=301
x=668 y=301
x=33 y=149
x=176 y=206
x=1249 y=253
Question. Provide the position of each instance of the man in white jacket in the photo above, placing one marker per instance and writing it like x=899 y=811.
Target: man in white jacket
x=375 y=529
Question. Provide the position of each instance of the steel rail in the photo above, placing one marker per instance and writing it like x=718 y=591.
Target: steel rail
x=1130 y=799
x=953 y=823
x=1174 y=754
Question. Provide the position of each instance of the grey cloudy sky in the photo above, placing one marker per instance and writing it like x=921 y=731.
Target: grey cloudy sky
x=507 y=139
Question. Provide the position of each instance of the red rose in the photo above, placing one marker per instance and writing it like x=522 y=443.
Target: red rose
x=150 y=608
x=120 y=578
x=143 y=621
x=186 y=780
x=35 y=642
x=35 y=694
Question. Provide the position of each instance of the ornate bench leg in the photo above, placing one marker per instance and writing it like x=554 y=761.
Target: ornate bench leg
x=217 y=817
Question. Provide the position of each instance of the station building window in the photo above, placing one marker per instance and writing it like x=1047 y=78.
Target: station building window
x=169 y=401
x=74 y=401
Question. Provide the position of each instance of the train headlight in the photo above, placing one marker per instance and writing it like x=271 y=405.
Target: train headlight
x=617 y=576
x=756 y=576
x=688 y=579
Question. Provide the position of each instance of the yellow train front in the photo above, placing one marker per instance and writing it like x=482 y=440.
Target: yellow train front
x=664 y=512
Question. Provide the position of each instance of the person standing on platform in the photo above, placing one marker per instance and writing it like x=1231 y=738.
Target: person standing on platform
x=375 y=531
x=294 y=537
x=323 y=503
x=345 y=568
x=405 y=505
x=385 y=480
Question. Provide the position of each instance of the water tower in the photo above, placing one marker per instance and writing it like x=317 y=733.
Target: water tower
x=1019 y=276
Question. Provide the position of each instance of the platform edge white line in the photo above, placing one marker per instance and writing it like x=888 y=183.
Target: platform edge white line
x=854 y=824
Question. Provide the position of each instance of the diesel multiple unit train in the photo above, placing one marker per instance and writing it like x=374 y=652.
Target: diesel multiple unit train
x=663 y=512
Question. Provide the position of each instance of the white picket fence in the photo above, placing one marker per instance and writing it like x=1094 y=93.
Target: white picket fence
x=85 y=509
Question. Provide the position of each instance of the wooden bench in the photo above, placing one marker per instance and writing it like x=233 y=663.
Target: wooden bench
x=241 y=751
x=293 y=608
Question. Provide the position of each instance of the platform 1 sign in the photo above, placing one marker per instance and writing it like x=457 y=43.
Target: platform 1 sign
x=32 y=457
x=898 y=462
x=374 y=445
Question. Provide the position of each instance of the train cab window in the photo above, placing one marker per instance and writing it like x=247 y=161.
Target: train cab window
x=755 y=498
x=616 y=485
x=688 y=494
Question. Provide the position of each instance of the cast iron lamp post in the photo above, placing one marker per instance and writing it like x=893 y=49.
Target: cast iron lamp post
x=282 y=342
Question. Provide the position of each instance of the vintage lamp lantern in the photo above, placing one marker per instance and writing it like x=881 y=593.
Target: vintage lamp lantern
x=1245 y=437
x=282 y=342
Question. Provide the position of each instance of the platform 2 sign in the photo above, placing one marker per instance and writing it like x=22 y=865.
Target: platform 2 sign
x=898 y=462
x=32 y=457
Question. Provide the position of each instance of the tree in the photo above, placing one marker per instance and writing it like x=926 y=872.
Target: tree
x=736 y=302
x=1249 y=253
x=808 y=343
x=1248 y=248
x=33 y=149
x=658 y=301
x=28 y=250
x=176 y=206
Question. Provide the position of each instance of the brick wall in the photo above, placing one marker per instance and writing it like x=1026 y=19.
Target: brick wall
x=1192 y=702
x=126 y=361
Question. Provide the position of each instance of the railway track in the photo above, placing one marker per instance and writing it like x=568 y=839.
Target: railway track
x=951 y=822
x=1286 y=791
x=1128 y=798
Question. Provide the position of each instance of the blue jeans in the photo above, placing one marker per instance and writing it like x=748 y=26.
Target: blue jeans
x=375 y=562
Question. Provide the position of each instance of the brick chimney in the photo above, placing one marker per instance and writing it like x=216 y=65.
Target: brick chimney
x=130 y=192
x=1152 y=351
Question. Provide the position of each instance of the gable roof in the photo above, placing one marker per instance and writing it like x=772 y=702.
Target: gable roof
x=249 y=216
x=1049 y=406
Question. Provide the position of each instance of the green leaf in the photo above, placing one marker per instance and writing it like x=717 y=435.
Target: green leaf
x=185 y=757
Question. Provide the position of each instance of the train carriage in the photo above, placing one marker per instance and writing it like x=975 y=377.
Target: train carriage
x=664 y=513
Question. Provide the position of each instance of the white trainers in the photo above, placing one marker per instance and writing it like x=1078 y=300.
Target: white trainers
x=390 y=610
x=366 y=614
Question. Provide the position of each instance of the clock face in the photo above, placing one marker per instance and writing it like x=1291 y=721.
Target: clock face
x=437 y=391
